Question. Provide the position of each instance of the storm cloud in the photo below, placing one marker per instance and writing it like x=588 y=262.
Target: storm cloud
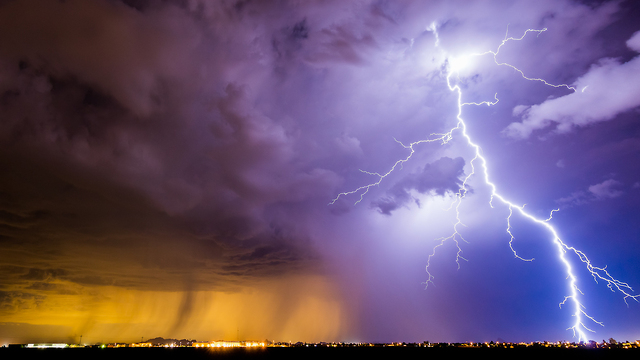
x=438 y=178
x=609 y=88
x=166 y=166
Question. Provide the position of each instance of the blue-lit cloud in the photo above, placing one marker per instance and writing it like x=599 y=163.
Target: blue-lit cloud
x=609 y=88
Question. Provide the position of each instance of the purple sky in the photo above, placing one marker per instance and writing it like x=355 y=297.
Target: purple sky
x=166 y=169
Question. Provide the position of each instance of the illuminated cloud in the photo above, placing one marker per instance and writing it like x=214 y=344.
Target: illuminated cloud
x=609 y=88
x=438 y=178
x=607 y=189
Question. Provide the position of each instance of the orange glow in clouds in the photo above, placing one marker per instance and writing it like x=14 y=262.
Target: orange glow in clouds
x=303 y=308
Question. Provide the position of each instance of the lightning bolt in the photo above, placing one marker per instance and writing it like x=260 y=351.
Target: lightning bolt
x=563 y=250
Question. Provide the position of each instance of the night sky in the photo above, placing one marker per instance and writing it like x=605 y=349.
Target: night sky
x=167 y=169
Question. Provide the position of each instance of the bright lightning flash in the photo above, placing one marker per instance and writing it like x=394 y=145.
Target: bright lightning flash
x=453 y=66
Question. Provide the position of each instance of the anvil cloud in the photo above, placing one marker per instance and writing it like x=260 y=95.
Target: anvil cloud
x=166 y=168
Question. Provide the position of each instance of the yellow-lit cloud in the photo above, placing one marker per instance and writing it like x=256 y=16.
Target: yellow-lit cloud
x=300 y=308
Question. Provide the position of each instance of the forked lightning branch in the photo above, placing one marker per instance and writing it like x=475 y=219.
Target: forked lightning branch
x=452 y=66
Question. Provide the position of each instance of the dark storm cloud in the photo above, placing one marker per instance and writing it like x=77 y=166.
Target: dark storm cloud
x=438 y=178
x=19 y=220
x=43 y=274
x=100 y=43
x=267 y=260
x=100 y=99
x=42 y=286
x=126 y=127
x=17 y=300
x=184 y=146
